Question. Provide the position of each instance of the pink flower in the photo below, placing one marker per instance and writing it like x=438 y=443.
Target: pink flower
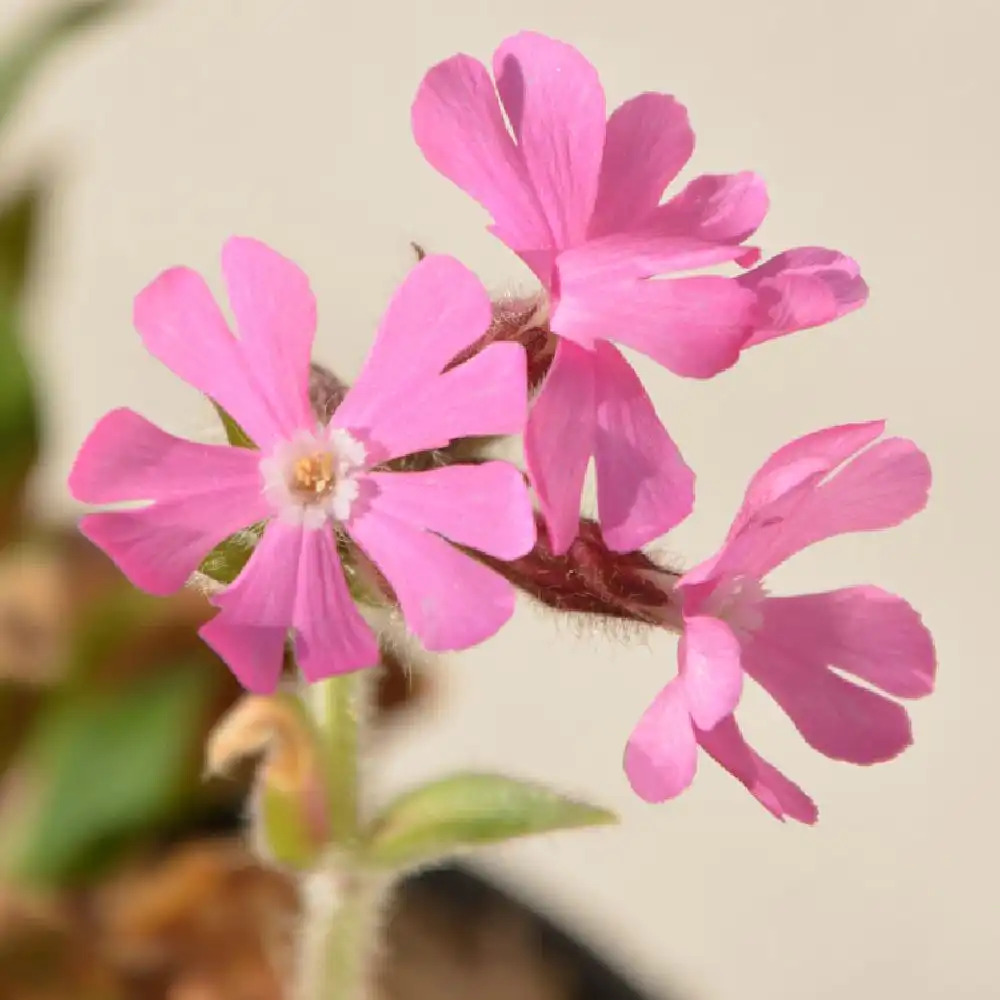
x=577 y=197
x=306 y=479
x=796 y=648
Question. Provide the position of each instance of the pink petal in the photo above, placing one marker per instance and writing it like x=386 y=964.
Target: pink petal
x=612 y=259
x=788 y=505
x=294 y=580
x=880 y=488
x=204 y=493
x=458 y=126
x=718 y=208
x=181 y=325
x=439 y=310
x=560 y=438
x=254 y=654
x=125 y=457
x=709 y=657
x=159 y=547
x=401 y=399
x=790 y=303
x=884 y=486
x=648 y=141
x=488 y=394
x=448 y=600
x=264 y=592
x=276 y=318
x=331 y=636
x=765 y=783
x=541 y=262
x=484 y=507
x=644 y=487
x=692 y=326
x=839 y=719
x=806 y=260
x=555 y=104
x=661 y=756
x=804 y=458
x=863 y=631
x=803 y=288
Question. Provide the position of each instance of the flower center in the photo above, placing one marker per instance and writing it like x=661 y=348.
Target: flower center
x=313 y=477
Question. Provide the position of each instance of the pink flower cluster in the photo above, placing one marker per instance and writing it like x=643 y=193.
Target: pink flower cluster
x=577 y=195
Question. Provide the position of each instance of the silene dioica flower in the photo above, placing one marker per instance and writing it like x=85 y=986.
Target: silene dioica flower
x=577 y=195
x=306 y=481
x=796 y=648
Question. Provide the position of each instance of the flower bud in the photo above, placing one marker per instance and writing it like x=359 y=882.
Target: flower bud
x=289 y=798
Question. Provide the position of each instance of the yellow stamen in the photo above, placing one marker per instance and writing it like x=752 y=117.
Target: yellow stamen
x=313 y=476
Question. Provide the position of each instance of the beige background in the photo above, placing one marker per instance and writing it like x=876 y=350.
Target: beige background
x=874 y=122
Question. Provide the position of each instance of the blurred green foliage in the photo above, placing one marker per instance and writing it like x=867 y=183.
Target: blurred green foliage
x=20 y=215
x=19 y=418
x=102 y=765
x=113 y=747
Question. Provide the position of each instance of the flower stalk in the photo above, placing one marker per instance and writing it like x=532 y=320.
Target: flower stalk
x=336 y=708
x=339 y=936
x=340 y=897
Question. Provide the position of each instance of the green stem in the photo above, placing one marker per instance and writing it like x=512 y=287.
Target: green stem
x=339 y=938
x=340 y=899
x=337 y=708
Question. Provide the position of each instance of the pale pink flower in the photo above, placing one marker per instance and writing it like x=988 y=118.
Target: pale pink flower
x=797 y=648
x=577 y=197
x=307 y=479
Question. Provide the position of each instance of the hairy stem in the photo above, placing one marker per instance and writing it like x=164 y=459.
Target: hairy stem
x=340 y=899
x=591 y=579
x=336 y=707
x=340 y=935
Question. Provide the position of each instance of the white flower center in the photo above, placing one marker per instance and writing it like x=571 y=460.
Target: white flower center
x=313 y=477
x=737 y=602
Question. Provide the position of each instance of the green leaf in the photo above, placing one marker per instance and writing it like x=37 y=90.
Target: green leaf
x=38 y=39
x=98 y=767
x=469 y=810
x=226 y=561
x=235 y=434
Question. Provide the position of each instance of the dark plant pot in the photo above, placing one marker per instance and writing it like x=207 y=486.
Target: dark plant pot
x=487 y=925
